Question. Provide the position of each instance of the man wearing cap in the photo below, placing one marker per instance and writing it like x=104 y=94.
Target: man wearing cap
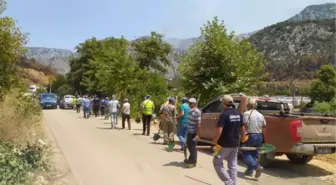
x=193 y=131
x=169 y=120
x=126 y=112
x=147 y=108
x=183 y=122
x=256 y=126
x=229 y=129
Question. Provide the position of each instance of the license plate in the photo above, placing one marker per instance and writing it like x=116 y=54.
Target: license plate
x=324 y=151
x=48 y=105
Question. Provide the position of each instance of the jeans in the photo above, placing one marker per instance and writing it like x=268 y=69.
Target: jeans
x=191 y=144
x=182 y=133
x=86 y=112
x=230 y=155
x=126 y=117
x=114 y=120
x=250 y=157
x=146 y=119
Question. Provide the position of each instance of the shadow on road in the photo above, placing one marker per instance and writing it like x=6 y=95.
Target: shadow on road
x=288 y=169
x=192 y=178
x=285 y=168
x=176 y=164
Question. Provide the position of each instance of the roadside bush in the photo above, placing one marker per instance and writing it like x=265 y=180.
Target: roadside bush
x=20 y=119
x=16 y=161
x=20 y=132
x=323 y=107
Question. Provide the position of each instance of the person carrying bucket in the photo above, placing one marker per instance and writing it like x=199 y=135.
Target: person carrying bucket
x=183 y=122
x=256 y=126
x=169 y=121
x=230 y=130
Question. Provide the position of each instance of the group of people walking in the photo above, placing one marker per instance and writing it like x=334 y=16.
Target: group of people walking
x=104 y=107
x=233 y=128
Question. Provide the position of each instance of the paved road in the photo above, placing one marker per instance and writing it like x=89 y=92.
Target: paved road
x=99 y=156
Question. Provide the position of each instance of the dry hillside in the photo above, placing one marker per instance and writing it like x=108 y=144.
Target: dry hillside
x=35 y=73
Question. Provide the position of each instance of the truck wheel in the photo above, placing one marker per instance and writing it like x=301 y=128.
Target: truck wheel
x=299 y=159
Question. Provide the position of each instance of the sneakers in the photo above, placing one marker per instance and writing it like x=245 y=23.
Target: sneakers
x=249 y=174
x=258 y=171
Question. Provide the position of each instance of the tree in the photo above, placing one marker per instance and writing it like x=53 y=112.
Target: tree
x=324 y=85
x=152 y=52
x=61 y=86
x=218 y=64
x=11 y=48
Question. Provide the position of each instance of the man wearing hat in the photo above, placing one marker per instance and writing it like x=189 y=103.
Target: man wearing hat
x=256 y=126
x=147 y=108
x=126 y=112
x=229 y=130
x=169 y=120
x=193 y=131
x=183 y=122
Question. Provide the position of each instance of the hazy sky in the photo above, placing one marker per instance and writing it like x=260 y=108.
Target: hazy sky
x=65 y=23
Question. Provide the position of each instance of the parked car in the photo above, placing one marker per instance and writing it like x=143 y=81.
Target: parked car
x=298 y=136
x=48 y=100
x=66 y=102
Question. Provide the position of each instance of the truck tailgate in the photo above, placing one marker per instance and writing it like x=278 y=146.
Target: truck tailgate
x=318 y=129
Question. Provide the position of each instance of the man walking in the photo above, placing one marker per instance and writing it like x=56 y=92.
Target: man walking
x=256 y=126
x=114 y=105
x=147 y=108
x=106 y=108
x=193 y=131
x=86 y=107
x=169 y=120
x=183 y=122
x=229 y=129
x=96 y=105
x=78 y=103
x=126 y=112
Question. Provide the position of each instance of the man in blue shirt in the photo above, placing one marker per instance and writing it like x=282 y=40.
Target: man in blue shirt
x=86 y=106
x=229 y=130
x=183 y=122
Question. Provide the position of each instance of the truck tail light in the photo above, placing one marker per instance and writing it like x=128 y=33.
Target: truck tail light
x=296 y=130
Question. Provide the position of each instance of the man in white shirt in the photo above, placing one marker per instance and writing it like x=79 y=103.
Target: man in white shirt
x=126 y=112
x=113 y=107
x=255 y=123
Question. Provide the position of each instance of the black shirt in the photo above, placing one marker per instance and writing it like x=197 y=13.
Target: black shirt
x=231 y=120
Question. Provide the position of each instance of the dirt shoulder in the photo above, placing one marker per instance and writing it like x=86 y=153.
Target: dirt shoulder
x=60 y=173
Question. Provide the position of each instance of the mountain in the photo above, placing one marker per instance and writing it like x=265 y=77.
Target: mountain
x=57 y=59
x=287 y=40
x=316 y=12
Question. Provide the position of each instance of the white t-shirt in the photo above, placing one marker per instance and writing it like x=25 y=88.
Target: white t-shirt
x=255 y=121
x=126 y=108
x=113 y=104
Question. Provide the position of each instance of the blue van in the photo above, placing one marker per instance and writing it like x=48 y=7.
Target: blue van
x=48 y=100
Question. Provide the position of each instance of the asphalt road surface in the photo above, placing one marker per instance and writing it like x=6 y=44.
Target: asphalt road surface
x=97 y=155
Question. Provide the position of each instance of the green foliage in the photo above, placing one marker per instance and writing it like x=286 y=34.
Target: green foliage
x=323 y=107
x=61 y=86
x=106 y=68
x=16 y=161
x=219 y=64
x=11 y=42
x=324 y=85
x=152 y=53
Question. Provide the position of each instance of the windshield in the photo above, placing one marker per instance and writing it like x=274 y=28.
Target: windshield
x=48 y=96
